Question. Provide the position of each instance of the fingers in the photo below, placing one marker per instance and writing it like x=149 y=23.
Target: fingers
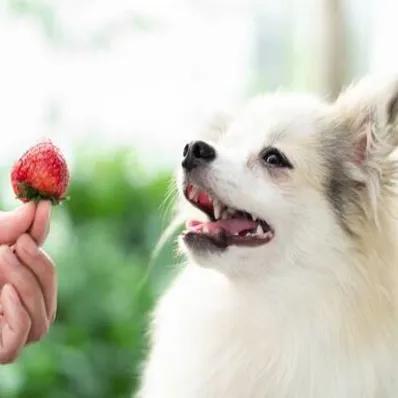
x=28 y=289
x=41 y=222
x=43 y=269
x=15 y=325
x=16 y=222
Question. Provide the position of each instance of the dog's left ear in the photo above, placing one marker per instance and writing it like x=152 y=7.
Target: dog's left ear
x=366 y=117
x=369 y=112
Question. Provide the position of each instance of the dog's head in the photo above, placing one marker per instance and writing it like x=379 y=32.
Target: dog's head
x=290 y=178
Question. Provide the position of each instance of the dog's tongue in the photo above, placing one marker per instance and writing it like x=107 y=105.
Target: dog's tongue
x=231 y=226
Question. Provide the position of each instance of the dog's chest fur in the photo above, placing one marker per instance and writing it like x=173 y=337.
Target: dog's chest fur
x=215 y=340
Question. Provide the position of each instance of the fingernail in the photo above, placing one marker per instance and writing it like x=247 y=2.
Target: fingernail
x=49 y=218
x=50 y=209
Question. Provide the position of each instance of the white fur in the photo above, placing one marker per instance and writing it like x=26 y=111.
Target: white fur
x=311 y=314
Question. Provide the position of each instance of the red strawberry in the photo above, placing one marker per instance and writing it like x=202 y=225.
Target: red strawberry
x=41 y=173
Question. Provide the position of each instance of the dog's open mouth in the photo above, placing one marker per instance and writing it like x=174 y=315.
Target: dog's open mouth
x=226 y=226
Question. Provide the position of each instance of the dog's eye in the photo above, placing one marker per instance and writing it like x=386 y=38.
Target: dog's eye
x=273 y=158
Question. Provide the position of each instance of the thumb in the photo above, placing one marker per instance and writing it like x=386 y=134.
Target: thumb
x=14 y=223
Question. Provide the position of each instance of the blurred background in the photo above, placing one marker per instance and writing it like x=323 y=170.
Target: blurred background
x=120 y=86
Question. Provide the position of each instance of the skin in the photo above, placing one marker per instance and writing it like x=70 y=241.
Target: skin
x=27 y=279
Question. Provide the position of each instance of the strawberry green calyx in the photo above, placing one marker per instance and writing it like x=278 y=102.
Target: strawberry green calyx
x=28 y=193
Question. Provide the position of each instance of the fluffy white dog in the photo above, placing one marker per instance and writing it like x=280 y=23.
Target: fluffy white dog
x=290 y=289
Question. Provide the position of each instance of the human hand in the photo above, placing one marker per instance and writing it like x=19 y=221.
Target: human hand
x=28 y=279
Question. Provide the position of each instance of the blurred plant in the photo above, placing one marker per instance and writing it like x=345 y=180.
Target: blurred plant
x=48 y=16
x=102 y=240
x=41 y=10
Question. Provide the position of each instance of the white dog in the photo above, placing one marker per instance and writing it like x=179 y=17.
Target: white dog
x=291 y=284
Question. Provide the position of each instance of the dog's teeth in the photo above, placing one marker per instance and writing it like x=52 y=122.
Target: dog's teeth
x=194 y=194
x=218 y=207
x=230 y=211
x=266 y=235
x=224 y=215
x=259 y=230
x=205 y=229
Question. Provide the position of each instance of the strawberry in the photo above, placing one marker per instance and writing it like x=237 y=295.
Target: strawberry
x=41 y=173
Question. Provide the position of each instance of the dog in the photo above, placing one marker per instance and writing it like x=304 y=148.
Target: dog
x=290 y=284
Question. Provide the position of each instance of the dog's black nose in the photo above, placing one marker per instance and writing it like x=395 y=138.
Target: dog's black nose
x=197 y=153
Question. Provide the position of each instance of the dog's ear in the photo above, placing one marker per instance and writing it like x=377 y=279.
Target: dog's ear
x=367 y=116
x=369 y=113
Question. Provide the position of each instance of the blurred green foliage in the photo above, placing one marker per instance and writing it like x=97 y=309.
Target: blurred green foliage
x=102 y=240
